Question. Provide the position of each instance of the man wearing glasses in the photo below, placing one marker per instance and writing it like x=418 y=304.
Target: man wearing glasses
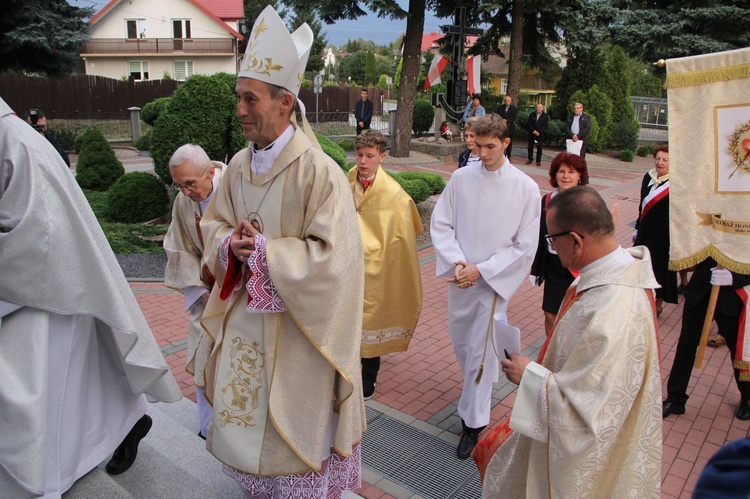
x=196 y=177
x=587 y=415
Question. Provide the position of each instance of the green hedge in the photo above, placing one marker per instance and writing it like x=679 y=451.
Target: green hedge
x=626 y=155
x=333 y=150
x=435 y=182
x=419 y=185
x=137 y=197
x=643 y=151
x=346 y=144
x=153 y=109
x=422 y=118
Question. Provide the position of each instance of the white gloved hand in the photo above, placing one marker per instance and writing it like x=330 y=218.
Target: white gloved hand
x=721 y=277
x=532 y=280
x=634 y=236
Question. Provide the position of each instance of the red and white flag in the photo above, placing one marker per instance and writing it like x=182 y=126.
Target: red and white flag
x=472 y=70
x=437 y=67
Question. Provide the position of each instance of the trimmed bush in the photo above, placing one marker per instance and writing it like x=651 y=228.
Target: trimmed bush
x=333 y=150
x=554 y=136
x=137 y=197
x=349 y=166
x=597 y=137
x=201 y=111
x=346 y=144
x=98 y=167
x=85 y=136
x=153 y=109
x=624 y=134
x=144 y=141
x=416 y=188
x=642 y=151
x=66 y=136
x=435 y=182
x=423 y=115
x=626 y=155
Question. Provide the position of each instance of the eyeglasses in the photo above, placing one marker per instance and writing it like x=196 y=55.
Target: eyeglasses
x=190 y=185
x=551 y=237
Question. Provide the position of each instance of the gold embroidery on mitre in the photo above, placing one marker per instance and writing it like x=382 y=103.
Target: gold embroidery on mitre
x=260 y=28
x=260 y=65
x=240 y=395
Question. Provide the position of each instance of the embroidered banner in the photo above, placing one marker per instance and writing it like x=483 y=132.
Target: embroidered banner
x=709 y=142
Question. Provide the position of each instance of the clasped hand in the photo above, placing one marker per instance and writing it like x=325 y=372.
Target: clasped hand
x=465 y=275
x=242 y=241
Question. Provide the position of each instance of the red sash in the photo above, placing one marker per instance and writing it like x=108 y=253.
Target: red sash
x=654 y=197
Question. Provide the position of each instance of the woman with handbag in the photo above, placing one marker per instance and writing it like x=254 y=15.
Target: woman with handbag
x=566 y=171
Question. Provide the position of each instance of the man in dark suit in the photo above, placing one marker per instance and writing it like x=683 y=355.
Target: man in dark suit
x=578 y=127
x=537 y=124
x=509 y=113
x=363 y=112
x=727 y=316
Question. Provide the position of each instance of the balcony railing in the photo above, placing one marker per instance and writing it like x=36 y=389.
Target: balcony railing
x=159 y=46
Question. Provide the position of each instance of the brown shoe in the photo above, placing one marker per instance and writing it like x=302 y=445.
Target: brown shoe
x=529 y=162
x=538 y=163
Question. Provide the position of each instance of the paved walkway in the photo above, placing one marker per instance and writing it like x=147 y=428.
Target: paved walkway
x=409 y=450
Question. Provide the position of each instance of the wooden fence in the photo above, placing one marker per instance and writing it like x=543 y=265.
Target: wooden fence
x=89 y=97
x=80 y=96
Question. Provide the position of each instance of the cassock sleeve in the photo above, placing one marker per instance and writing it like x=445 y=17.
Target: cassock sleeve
x=183 y=256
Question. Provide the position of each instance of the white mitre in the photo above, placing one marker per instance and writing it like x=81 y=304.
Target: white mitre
x=275 y=56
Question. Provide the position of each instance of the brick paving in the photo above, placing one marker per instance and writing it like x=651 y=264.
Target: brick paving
x=426 y=380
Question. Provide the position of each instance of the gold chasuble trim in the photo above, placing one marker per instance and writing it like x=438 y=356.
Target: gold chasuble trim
x=707 y=76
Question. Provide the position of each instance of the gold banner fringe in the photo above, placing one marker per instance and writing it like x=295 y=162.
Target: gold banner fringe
x=712 y=252
x=707 y=76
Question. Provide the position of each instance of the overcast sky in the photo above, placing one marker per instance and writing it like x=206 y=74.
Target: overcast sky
x=380 y=31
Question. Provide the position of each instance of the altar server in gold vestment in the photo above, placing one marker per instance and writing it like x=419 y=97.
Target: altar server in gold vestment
x=286 y=313
x=196 y=177
x=389 y=223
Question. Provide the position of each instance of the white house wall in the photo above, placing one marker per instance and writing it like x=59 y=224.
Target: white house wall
x=117 y=67
x=158 y=16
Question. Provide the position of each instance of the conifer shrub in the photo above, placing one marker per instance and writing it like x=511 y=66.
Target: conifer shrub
x=98 y=167
x=153 y=109
x=144 y=141
x=626 y=155
x=136 y=197
x=643 y=151
x=201 y=111
x=554 y=135
x=346 y=144
x=85 y=136
x=435 y=182
x=333 y=150
x=624 y=134
x=423 y=115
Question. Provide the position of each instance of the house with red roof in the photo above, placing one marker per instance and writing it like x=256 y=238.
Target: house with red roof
x=148 y=40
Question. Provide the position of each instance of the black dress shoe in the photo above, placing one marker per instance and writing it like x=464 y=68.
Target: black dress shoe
x=668 y=408
x=125 y=454
x=529 y=162
x=743 y=411
x=468 y=441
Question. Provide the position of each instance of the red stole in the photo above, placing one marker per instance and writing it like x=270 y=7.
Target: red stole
x=654 y=197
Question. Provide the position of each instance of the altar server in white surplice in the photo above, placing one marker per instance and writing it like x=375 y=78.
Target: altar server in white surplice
x=76 y=353
x=485 y=229
x=197 y=178
x=587 y=417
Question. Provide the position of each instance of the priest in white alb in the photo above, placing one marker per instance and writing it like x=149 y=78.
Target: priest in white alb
x=76 y=353
x=587 y=415
x=485 y=229
x=197 y=178
x=286 y=314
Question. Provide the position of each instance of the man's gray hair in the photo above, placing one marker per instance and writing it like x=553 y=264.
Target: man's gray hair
x=583 y=210
x=191 y=152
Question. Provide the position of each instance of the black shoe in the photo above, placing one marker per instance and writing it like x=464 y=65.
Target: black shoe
x=668 y=408
x=467 y=443
x=538 y=163
x=529 y=162
x=743 y=411
x=201 y=435
x=125 y=454
x=680 y=289
x=368 y=389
